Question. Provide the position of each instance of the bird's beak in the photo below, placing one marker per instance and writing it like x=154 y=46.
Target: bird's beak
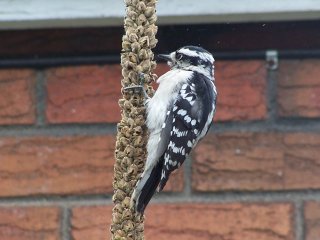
x=166 y=57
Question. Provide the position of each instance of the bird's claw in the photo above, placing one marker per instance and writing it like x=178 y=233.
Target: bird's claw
x=138 y=88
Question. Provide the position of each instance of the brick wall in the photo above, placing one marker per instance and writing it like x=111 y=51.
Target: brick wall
x=255 y=176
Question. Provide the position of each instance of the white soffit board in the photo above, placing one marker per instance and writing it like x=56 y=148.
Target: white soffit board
x=23 y=14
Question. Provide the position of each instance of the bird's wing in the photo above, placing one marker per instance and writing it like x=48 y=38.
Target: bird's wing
x=185 y=121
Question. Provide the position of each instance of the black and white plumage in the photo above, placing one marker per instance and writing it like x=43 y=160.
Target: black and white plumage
x=178 y=116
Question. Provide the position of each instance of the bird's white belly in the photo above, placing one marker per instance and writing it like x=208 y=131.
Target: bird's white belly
x=158 y=106
x=164 y=96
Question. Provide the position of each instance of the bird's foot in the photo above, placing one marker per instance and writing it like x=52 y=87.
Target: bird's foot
x=138 y=88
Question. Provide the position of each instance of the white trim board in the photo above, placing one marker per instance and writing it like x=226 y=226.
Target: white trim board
x=22 y=14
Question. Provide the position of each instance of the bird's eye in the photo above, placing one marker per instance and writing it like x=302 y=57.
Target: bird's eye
x=178 y=56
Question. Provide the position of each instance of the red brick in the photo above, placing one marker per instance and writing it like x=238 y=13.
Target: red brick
x=91 y=223
x=91 y=93
x=83 y=94
x=60 y=165
x=17 y=96
x=220 y=221
x=86 y=94
x=299 y=88
x=241 y=90
x=195 y=221
x=32 y=223
x=175 y=182
x=56 y=165
x=257 y=161
x=312 y=220
x=161 y=69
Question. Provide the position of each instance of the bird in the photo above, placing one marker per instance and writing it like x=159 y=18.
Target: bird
x=179 y=115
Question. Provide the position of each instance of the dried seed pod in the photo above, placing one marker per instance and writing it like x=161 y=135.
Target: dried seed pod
x=126 y=202
x=138 y=69
x=141 y=6
x=144 y=42
x=149 y=11
x=118 y=208
x=153 y=43
x=140 y=30
x=138 y=142
x=120 y=195
x=140 y=228
x=128 y=22
x=121 y=102
x=143 y=54
x=124 y=72
x=135 y=46
x=128 y=227
x=149 y=32
x=133 y=57
x=121 y=233
x=152 y=2
x=126 y=45
x=141 y=20
x=131 y=12
x=129 y=151
x=132 y=75
x=127 y=105
x=121 y=184
x=138 y=130
x=154 y=77
x=152 y=19
x=155 y=29
x=130 y=121
x=116 y=218
x=126 y=215
x=133 y=170
x=146 y=65
x=134 y=2
x=138 y=152
x=153 y=64
x=133 y=37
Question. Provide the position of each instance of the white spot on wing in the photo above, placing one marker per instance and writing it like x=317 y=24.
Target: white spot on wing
x=184 y=86
x=187 y=119
x=182 y=112
x=163 y=174
x=190 y=99
x=183 y=152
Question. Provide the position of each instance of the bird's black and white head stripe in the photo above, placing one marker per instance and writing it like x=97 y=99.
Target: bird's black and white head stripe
x=197 y=56
x=191 y=58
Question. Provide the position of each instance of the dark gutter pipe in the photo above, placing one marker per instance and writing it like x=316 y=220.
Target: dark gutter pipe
x=45 y=62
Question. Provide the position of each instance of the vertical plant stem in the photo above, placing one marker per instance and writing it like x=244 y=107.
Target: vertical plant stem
x=137 y=65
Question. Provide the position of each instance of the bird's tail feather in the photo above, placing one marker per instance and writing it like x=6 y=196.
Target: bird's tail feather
x=146 y=187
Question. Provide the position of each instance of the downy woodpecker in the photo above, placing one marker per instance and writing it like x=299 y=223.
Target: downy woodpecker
x=178 y=116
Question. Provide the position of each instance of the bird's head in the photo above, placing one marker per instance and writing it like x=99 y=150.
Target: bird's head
x=191 y=58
